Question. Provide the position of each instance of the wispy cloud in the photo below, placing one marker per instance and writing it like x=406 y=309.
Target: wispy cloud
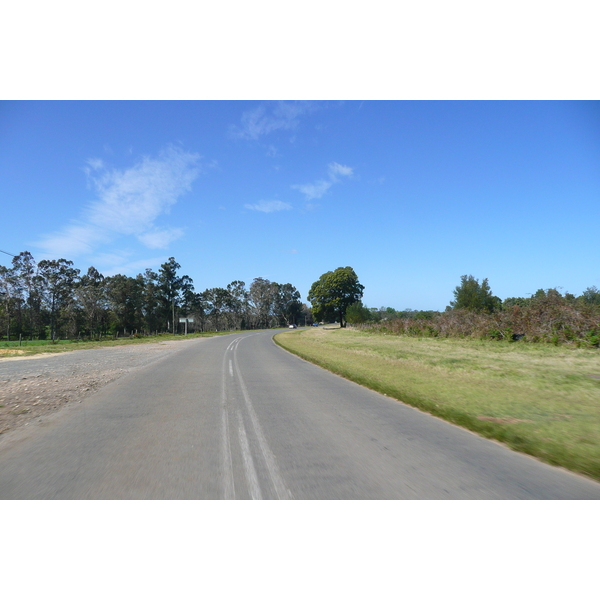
x=161 y=238
x=337 y=169
x=129 y=202
x=316 y=190
x=313 y=190
x=109 y=266
x=267 y=118
x=272 y=152
x=269 y=206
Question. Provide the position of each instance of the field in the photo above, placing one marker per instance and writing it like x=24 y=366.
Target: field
x=29 y=348
x=536 y=398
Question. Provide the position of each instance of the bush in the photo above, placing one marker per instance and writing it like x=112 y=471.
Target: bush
x=547 y=317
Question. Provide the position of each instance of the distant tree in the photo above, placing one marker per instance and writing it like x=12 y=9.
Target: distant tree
x=28 y=287
x=124 y=298
x=287 y=304
x=472 y=295
x=358 y=313
x=173 y=287
x=8 y=295
x=239 y=304
x=151 y=300
x=263 y=297
x=217 y=301
x=333 y=293
x=307 y=315
x=516 y=301
x=591 y=296
x=58 y=277
x=90 y=292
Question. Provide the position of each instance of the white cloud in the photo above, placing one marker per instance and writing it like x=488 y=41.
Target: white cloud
x=268 y=206
x=161 y=238
x=272 y=152
x=316 y=190
x=313 y=190
x=129 y=202
x=337 y=169
x=266 y=118
x=134 y=267
x=73 y=240
x=95 y=163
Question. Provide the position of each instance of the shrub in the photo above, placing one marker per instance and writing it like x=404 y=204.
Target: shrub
x=547 y=317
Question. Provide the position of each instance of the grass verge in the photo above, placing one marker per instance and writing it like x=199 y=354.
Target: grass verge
x=538 y=399
x=29 y=348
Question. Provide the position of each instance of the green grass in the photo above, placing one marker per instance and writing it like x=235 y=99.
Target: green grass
x=538 y=399
x=29 y=348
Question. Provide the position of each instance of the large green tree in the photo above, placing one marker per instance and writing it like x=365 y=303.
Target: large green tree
x=475 y=296
x=173 y=288
x=333 y=293
x=59 y=278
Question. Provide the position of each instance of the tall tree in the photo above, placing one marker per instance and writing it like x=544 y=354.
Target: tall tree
x=58 y=277
x=288 y=306
x=334 y=292
x=91 y=294
x=262 y=296
x=9 y=296
x=591 y=296
x=472 y=295
x=28 y=283
x=173 y=286
x=217 y=302
x=239 y=304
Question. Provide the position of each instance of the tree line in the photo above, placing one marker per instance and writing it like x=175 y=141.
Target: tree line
x=51 y=299
x=475 y=312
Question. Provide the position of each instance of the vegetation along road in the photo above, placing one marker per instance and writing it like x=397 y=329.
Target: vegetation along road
x=237 y=417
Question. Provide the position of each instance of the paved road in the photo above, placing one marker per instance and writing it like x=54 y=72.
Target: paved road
x=236 y=417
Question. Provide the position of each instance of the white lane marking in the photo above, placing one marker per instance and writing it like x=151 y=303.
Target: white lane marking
x=228 y=483
x=230 y=368
x=249 y=469
x=280 y=488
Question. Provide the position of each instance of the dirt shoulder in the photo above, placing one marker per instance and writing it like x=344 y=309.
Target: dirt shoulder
x=33 y=388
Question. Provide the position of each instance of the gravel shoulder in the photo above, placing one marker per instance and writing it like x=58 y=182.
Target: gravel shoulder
x=34 y=389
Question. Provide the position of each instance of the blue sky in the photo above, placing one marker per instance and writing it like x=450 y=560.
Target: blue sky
x=411 y=194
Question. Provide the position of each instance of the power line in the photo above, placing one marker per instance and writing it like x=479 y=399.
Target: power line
x=8 y=253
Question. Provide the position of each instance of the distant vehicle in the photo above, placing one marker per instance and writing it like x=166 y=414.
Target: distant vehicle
x=315 y=324
x=293 y=326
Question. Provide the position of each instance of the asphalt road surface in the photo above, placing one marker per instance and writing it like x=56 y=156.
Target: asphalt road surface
x=236 y=417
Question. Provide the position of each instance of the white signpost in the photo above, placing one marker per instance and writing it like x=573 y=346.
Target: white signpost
x=186 y=321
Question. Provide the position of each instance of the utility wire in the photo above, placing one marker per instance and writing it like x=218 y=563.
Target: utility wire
x=8 y=253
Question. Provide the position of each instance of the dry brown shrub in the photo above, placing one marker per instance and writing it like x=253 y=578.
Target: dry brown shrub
x=551 y=318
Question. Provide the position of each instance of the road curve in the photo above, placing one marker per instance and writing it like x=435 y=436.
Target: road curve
x=236 y=417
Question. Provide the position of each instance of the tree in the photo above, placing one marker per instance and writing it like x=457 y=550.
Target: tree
x=333 y=293
x=471 y=295
x=358 y=313
x=91 y=294
x=287 y=304
x=125 y=297
x=239 y=304
x=58 y=278
x=263 y=295
x=8 y=293
x=28 y=287
x=217 y=301
x=591 y=296
x=173 y=287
